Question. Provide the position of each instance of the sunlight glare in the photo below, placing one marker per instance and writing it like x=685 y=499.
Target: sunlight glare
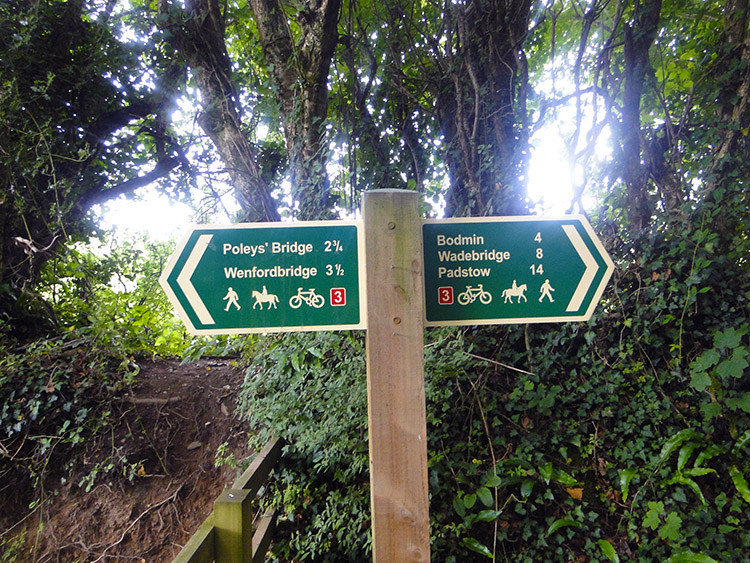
x=154 y=214
x=550 y=186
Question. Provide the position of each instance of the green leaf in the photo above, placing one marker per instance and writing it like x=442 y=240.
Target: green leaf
x=744 y=402
x=700 y=380
x=671 y=528
x=608 y=550
x=685 y=452
x=740 y=483
x=545 y=472
x=741 y=441
x=699 y=471
x=689 y=557
x=526 y=487
x=485 y=496
x=693 y=486
x=733 y=367
x=562 y=523
x=729 y=338
x=711 y=410
x=626 y=475
x=317 y=353
x=706 y=454
x=458 y=506
x=470 y=500
x=675 y=441
x=296 y=363
x=488 y=515
x=705 y=360
x=564 y=478
x=494 y=481
x=476 y=545
x=653 y=514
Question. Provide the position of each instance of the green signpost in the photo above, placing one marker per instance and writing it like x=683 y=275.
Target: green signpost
x=268 y=277
x=501 y=270
x=262 y=277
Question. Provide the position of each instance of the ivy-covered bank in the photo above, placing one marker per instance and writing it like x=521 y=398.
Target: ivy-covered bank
x=623 y=439
x=61 y=392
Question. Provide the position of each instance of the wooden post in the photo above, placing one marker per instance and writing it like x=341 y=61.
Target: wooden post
x=233 y=521
x=395 y=377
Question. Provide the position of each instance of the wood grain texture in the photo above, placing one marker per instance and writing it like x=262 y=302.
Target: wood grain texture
x=395 y=377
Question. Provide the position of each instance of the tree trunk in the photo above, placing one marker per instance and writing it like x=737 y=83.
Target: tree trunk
x=735 y=97
x=480 y=107
x=638 y=40
x=300 y=68
x=201 y=42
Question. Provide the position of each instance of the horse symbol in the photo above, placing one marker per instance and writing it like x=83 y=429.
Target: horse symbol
x=264 y=297
x=515 y=291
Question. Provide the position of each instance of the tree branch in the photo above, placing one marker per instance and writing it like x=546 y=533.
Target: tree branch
x=162 y=169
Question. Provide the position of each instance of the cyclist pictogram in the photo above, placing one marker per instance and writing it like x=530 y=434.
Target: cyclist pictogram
x=473 y=293
x=309 y=297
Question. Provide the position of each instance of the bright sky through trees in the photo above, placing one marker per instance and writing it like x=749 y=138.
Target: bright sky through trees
x=154 y=214
x=550 y=191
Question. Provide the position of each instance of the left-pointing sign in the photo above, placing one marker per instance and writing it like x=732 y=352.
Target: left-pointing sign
x=268 y=277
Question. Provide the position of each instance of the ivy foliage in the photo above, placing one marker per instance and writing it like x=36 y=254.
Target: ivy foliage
x=59 y=392
x=310 y=389
x=625 y=438
x=56 y=395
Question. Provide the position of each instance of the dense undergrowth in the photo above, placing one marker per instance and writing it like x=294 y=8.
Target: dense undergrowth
x=61 y=390
x=623 y=439
x=56 y=395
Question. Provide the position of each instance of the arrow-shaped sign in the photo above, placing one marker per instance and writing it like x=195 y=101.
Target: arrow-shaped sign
x=187 y=287
x=268 y=277
x=500 y=270
x=589 y=273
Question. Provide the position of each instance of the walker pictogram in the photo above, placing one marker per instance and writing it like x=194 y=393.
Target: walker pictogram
x=545 y=291
x=232 y=299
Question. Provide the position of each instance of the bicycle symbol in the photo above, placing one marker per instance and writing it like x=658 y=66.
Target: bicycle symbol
x=472 y=293
x=309 y=296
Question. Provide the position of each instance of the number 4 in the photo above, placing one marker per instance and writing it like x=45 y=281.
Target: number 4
x=538 y=237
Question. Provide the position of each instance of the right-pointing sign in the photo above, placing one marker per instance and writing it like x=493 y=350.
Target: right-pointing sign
x=501 y=270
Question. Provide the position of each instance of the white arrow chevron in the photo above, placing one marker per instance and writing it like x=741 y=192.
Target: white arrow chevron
x=588 y=275
x=183 y=280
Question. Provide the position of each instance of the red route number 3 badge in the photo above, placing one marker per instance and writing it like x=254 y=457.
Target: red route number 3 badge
x=338 y=296
x=445 y=295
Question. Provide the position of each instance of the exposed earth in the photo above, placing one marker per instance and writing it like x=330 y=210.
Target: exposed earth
x=162 y=481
